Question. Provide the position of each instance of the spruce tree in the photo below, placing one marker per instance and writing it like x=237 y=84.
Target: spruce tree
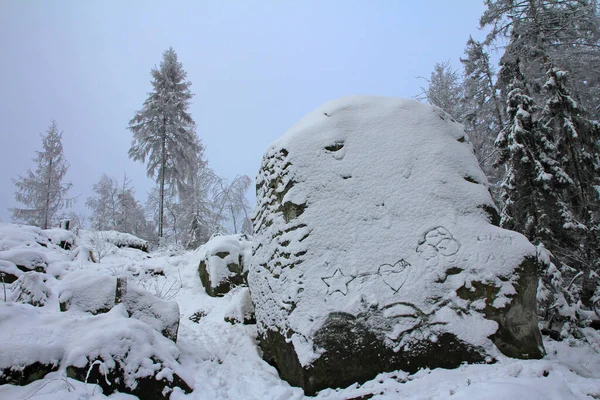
x=575 y=140
x=483 y=111
x=43 y=192
x=526 y=191
x=164 y=132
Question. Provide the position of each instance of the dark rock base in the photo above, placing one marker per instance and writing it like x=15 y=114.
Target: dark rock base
x=353 y=353
x=147 y=387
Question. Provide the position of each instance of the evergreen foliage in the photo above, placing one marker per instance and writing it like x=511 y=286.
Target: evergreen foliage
x=43 y=192
x=164 y=133
x=542 y=107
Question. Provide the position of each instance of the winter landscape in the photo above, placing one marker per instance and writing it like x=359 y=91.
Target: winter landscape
x=437 y=241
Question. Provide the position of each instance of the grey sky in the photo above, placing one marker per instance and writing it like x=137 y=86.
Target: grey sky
x=256 y=68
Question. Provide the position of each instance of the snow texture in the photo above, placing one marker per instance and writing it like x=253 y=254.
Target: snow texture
x=377 y=203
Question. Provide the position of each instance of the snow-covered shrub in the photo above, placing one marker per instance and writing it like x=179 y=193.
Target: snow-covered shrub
x=30 y=288
x=98 y=242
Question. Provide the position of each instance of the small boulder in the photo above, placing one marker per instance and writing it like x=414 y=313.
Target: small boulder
x=88 y=293
x=223 y=263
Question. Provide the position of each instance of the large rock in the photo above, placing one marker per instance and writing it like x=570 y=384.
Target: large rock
x=376 y=249
x=98 y=294
x=222 y=265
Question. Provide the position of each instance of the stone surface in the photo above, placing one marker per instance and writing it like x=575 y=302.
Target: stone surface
x=375 y=249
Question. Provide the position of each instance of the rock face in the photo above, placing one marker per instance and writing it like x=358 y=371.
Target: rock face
x=223 y=264
x=376 y=250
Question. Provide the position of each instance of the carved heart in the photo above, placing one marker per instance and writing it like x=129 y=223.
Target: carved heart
x=394 y=276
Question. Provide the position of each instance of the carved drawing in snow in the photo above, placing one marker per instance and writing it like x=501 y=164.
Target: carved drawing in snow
x=338 y=282
x=438 y=243
x=394 y=276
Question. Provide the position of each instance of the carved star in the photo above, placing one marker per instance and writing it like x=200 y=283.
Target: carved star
x=338 y=282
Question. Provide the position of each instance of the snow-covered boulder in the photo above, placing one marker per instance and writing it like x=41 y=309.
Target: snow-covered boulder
x=240 y=309
x=115 y=238
x=112 y=350
x=88 y=293
x=375 y=249
x=222 y=265
x=98 y=294
x=26 y=259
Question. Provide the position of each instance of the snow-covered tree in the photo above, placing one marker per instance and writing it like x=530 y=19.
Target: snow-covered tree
x=114 y=207
x=103 y=204
x=576 y=142
x=526 y=190
x=231 y=200
x=44 y=191
x=483 y=113
x=444 y=90
x=164 y=133
x=197 y=212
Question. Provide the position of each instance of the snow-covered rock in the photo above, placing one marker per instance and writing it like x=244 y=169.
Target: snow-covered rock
x=88 y=293
x=26 y=259
x=222 y=265
x=115 y=238
x=98 y=294
x=375 y=249
x=112 y=350
x=240 y=309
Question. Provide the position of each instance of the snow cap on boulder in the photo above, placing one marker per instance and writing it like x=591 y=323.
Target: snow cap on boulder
x=375 y=249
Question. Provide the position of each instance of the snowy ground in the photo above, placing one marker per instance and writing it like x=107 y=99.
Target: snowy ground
x=222 y=361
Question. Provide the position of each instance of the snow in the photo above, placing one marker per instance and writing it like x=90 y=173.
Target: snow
x=394 y=199
x=222 y=361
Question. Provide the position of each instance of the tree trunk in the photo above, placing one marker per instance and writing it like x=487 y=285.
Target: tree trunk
x=47 y=208
x=162 y=180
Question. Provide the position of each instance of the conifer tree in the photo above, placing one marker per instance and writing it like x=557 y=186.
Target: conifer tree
x=483 y=111
x=576 y=141
x=164 y=131
x=526 y=189
x=103 y=204
x=444 y=90
x=43 y=192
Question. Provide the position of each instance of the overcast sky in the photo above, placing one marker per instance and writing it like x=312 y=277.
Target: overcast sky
x=256 y=68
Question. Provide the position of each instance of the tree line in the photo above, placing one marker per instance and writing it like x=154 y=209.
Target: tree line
x=190 y=202
x=533 y=121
